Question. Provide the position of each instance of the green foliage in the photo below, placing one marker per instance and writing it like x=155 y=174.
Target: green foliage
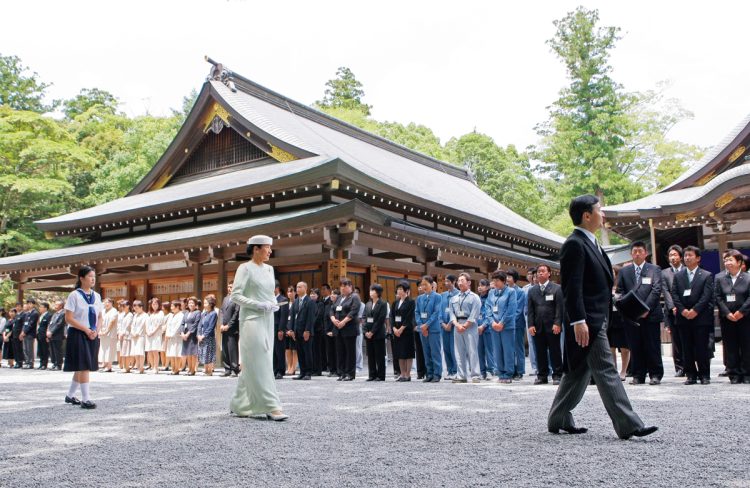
x=7 y=293
x=88 y=98
x=344 y=91
x=20 y=91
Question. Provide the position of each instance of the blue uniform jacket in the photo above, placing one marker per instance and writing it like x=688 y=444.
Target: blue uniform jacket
x=429 y=303
x=521 y=305
x=445 y=300
x=484 y=319
x=501 y=307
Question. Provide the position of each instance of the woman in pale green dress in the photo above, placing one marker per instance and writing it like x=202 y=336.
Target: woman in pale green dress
x=253 y=291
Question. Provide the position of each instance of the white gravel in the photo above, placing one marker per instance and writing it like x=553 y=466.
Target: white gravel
x=160 y=430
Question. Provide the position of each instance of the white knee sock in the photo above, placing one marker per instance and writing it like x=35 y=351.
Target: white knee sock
x=73 y=387
x=85 y=392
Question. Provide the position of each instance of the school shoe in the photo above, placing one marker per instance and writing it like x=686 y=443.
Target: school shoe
x=89 y=405
x=72 y=400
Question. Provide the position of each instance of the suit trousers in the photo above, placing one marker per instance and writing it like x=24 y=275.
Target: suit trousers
x=376 y=358
x=346 y=353
x=18 y=350
x=320 y=358
x=644 y=339
x=504 y=343
x=279 y=355
x=56 y=352
x=599 y=364
x=421 y=367
x=433 y=354
x=331 y=353
x=695 y=354
x=28 y=350
x=736 y=340
x=547 y=345
x=467 y=357
x=305 y=355
x=520 y=350
x=674 y=333
x=42 y=347
x=486 y=351
x=448 y=350
x=230 y=352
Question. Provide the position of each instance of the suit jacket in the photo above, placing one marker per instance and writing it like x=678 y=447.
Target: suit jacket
x=731 y=298
x=649 y=289
x=586 y=279
x=700 y=298
x=667 y=281
x=348 y=307
x=230 y=315
x=57 y=326
x=44 y=325
x=543 y=312
x=328 y=310
x=30 y=322
x=319 y=311
x=374 y=317
x=303 y=316
x=18 y=324
x=405 y=312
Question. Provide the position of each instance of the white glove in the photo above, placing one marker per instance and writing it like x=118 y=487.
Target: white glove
x=275 y=308
x=268 y=306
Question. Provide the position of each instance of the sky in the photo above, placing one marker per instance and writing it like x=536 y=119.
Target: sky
x=453 y=66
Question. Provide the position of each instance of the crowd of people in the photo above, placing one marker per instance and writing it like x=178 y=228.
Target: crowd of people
x=457 y=335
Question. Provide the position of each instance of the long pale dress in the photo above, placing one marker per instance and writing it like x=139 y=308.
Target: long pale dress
x=138 y=335
x=256 y=387
x=108 y=337
x=123 y=330
x=153 y=326
x=174 y=340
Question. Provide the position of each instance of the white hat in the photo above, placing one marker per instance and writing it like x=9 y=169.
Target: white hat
x=260 y=240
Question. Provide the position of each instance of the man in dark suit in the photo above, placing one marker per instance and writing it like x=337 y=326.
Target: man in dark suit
x=42 y=343
x=17 y=337
x=56 y=335
x=304 y=310
x=586 y=279
x=230 y=335
x=667 y=277
x=732 y=291
x=644 y=336
x=330 y=333
x=693 y=296
x=545 y=316
x=345 y=318
x=280 y=318
x=28 y=334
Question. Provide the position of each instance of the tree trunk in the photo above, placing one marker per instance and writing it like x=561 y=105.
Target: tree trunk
x=604 y=231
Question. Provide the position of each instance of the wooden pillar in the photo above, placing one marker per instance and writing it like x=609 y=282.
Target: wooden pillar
x=197 y=280
x=722 y=239
x=221 y=286
x=440 y=283
x=336 y=269
x=373 y=271
x=654 y=257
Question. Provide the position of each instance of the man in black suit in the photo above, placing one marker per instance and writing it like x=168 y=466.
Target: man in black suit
x=732 y=291
x=17 y=337
x=230 y=335
x=330 y=333
x=586 y=279
x=693 y=296
x=667 y=277
x=280 y=318
x=545 y=318
x=42 y=343
x=56 y=335
x=304 y=310
x=345 y=318
x=644 y=336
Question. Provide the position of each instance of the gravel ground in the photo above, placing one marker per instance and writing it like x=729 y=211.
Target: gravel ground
x=159 y=430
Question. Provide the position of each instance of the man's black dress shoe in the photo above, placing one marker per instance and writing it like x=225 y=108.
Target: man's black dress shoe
x=72 y=400
x=435 y=379
x=655 y=381
x=420 y=377
x=229 y=373
x=569 y=430
x=642 y=432
x=379 y=379
x=317 y=374
x=705 y=381
x=689 y=381
x=370 y=379
x=427 y=380
x=735 y=381
x=279 y=376
x=298 y=377
x=540 y=381
x=89 y=405
x=306 y=377
x=348 y=378
x=637 y=381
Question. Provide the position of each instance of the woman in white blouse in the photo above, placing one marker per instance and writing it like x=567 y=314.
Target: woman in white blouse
x=124 y=323
x=108 y=336
x=174 y=339
x=138 y=335
x=166 y=308
x=153 y=333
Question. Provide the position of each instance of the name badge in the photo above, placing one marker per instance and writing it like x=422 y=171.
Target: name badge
x=339 y=308
x=462 y=315
x=370 y=320
x=646 y=281
x=686 y=293
x=731 y=298
x=549 y=298
x=495 y=309
x=398 y=317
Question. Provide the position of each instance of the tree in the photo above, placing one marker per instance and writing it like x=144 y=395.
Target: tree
x=20 y=91
x=87 y=98
x=344 y=91
x=584 y=142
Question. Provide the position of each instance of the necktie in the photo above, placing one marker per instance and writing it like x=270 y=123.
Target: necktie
x=638 y=275
x=541 y=287
x=690 y=277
